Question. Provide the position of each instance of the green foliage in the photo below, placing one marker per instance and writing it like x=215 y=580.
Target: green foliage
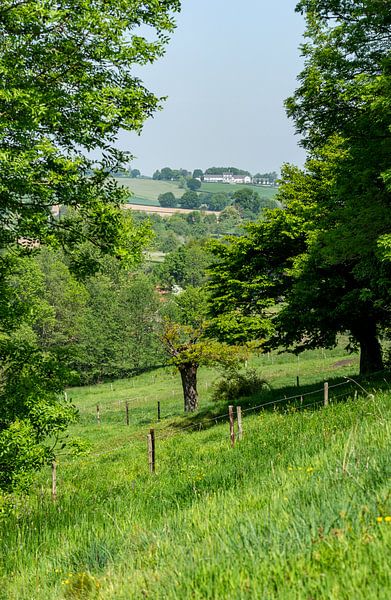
x=221 y=170
x=193 y=184
x=247 y=202
x=238 y=384
x=322 y=257
x=67 y=88
x=168 y=200
x=218 y=201
x=190 y=199
x=186 y=343
x=186 y=266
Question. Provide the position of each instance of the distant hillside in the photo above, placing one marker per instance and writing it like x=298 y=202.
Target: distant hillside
x=146 y=191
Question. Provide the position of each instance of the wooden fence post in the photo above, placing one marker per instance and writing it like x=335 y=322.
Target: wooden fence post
x=98 y=414
x=239 y=418
x=231 y=424
x=54 y=481
x=127 y=412
x=158 y=410
x=297 y=381
x=151 y=450
x=326 y=394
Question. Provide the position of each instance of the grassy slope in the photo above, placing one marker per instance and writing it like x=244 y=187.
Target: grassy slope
x=290 y=512
x=147 y=191
x=263 y=191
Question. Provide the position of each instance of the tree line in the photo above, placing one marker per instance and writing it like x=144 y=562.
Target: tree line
x=247 y=201
x=183 y=175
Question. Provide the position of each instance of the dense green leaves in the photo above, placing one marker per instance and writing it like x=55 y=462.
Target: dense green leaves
x=322 y=259
x=67 y=86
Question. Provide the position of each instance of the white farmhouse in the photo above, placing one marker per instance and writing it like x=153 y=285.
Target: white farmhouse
x=227 y=178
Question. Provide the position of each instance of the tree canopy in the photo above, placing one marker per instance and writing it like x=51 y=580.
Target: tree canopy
x=67 y=87
x=322 y=258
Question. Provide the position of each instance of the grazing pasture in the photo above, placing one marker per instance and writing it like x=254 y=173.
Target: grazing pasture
x=299 y=508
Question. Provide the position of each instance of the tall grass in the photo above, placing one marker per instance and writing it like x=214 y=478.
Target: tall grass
x=298 y=509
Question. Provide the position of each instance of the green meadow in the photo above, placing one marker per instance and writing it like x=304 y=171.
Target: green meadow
x=263 y=191
x=300 y=508
x=147 y=191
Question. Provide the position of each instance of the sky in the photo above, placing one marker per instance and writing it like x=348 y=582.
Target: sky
x=226 y=72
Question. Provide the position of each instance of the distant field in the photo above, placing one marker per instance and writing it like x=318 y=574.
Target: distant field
x=263 y=191
x=147 y=191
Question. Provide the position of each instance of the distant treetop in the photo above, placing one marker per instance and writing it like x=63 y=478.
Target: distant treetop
x=221 y=170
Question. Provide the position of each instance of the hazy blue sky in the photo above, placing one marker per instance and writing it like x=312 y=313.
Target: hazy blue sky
x=227 y=71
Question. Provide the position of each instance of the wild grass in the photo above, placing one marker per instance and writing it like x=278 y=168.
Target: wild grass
x=299 y=509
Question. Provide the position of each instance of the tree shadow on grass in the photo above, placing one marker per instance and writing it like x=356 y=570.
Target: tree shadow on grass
x=286 y=398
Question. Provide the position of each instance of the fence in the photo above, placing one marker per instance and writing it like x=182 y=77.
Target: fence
x=167 y=432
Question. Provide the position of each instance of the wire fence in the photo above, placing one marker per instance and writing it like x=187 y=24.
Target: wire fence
x=170 y=431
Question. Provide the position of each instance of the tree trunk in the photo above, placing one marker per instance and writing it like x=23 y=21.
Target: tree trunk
x=188 y=373
x=371 y=359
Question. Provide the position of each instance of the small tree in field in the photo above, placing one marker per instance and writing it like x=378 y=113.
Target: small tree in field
x=185 y=341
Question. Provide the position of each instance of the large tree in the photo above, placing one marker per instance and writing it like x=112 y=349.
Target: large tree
x=323 y=256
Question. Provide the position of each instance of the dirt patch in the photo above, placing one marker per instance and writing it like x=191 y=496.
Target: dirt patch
x=346 y=362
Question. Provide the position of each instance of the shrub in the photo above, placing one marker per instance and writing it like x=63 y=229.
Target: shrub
x=238 y=384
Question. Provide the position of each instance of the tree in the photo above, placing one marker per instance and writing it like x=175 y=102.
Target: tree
x=321 y=257
x=190 y=200
x=168 y=200
x=187 y=265
x=265 y=178
x=186 y=344
x=198 y=174
x=218 y=201
x=166 y=174
x=67 y=88
x=134 y=173
x=193 y=184
x=221 y=170
x=247 y=201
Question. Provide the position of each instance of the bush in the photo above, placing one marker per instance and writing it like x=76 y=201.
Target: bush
x=238 y=384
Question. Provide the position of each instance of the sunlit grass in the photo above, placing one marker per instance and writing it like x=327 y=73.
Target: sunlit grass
x=298 y=509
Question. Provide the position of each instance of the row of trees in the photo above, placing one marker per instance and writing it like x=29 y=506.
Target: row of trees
x=168 y=174
x=247 y=201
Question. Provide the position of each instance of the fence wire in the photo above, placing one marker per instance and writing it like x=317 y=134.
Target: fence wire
x=172 y=432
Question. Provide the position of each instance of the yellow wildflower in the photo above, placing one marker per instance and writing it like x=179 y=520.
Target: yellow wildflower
x=379 y=519
x=387 y=519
